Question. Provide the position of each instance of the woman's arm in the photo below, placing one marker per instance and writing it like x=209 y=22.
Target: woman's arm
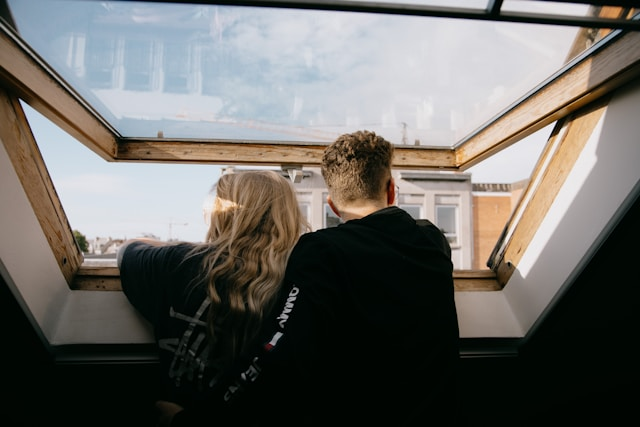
x=147 y=240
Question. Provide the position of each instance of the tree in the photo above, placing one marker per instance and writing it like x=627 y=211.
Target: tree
x=81 y=239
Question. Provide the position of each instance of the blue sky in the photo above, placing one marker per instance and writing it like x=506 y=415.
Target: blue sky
x=123 y=200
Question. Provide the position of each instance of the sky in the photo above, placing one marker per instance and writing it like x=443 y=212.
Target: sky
x=127 y=200
x=123 y=200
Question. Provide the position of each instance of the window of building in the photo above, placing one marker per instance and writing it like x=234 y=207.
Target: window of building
x=101 y=62
x=177 y=61
x=447 y=221
x=414 y=210
x=138 y=64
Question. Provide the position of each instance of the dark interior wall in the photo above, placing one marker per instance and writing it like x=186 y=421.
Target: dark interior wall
x=39 y=392
x=583 y=357
x=578 y=367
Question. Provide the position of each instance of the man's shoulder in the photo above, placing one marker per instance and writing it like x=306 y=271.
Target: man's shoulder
x=318 y=241
x=323 y=235
x=425 y=223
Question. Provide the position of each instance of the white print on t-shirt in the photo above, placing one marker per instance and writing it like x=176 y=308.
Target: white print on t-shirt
x=190 y=354
x=251 y=373
x=288 y=306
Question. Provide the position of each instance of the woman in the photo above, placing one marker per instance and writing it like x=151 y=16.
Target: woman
x=205 y=301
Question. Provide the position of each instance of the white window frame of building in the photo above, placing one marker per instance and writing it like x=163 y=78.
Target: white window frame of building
x=177 y=73
x=139 y=62
x=446 y=218
x=100 y=62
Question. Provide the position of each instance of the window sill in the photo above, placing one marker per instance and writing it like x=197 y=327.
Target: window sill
x=94 y=277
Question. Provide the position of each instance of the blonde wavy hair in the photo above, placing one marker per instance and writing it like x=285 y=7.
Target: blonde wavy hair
x=254 y=222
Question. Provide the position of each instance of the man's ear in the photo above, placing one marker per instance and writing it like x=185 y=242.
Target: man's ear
x=391 y=192
x=333 y=207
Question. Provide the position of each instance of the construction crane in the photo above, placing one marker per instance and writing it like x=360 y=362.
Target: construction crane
x=171 y=224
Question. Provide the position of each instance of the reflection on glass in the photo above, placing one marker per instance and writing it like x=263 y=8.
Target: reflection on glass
x=229 y=72
x=466 y=4
x=547 y=7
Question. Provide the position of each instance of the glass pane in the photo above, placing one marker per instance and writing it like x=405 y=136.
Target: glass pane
x=457 y=4
x=414 y=210
x=446 y=220
x=229 y=72
x=547 y=7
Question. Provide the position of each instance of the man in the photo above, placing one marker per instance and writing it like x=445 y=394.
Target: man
x=368 y=333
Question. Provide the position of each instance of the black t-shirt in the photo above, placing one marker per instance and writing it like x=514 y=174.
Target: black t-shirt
x=164 y=286
x=368 y=334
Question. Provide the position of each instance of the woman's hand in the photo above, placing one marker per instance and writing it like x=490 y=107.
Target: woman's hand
x=166 y=410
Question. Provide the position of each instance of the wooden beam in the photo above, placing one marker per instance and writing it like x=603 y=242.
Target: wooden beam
x=31 y=170
x=555 y=164
x=107 y=278
x=475 y=281
x=39 y=87
x=264 y=153
x=97 y=279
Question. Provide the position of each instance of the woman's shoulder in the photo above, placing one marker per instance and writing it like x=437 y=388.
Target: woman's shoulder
x=153 y=250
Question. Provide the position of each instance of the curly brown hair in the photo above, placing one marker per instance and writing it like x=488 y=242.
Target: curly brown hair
x=357 y=166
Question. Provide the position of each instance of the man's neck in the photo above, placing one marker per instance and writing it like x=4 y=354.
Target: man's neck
x=360 y=211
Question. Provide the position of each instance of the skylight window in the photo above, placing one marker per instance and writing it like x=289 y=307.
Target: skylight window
x=241 y=73
x=468 y=89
